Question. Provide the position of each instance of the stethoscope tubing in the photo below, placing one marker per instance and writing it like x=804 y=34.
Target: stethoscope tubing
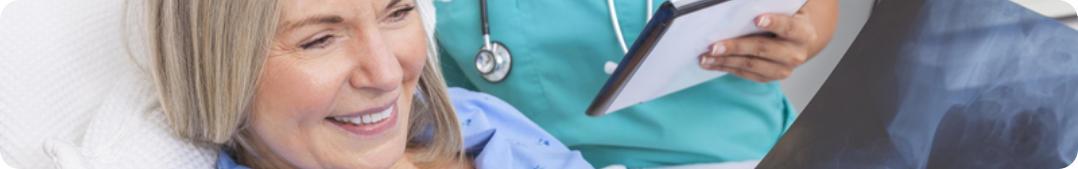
x=484 y=23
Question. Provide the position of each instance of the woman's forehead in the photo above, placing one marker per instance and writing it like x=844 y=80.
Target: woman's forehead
x=300 y=9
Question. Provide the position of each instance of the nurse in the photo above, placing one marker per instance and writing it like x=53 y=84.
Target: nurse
x=564 y=50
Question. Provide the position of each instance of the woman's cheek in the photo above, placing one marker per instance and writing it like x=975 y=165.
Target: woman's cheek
x=412 y=66
x=412 y=50
x=291 y=86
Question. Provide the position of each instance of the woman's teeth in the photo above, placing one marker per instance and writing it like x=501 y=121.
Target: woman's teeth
x=366 y=118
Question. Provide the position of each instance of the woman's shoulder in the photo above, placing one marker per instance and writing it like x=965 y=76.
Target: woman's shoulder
x=480 y=112
x=224 y=161
x=471 y=103
x=499 y=136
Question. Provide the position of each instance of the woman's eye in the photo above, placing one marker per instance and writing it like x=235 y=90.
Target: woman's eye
x=399 y=14
x=317 y=43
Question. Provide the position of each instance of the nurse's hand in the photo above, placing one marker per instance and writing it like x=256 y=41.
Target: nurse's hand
x=766 y=58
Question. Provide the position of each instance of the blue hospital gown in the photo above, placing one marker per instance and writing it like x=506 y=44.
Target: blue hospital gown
x=497 y=135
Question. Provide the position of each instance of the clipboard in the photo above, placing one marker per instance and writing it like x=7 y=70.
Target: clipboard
x=663 y=60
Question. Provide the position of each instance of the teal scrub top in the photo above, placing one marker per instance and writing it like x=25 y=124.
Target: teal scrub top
x=560 y=48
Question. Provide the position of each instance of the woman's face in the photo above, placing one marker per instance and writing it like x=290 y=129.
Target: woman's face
x=337 y=87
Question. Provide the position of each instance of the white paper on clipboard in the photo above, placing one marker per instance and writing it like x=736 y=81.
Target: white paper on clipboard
x=672 y=65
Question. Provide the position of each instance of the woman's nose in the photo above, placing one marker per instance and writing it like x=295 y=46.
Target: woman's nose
x=378 y=69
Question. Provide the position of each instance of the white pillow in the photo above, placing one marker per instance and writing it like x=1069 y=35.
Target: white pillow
x=3 y=165
x=129 y=130
x=71 y=96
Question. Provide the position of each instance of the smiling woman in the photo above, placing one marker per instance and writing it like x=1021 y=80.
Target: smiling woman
x=302 y=84
x=329 y=84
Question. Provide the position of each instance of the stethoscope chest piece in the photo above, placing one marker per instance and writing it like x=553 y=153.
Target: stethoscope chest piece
x=494 y=62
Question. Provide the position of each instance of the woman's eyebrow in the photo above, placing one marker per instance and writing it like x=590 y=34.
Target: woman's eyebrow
x=318 y=19
x=391 y=3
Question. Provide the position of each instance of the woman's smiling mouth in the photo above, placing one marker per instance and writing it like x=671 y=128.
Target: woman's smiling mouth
x=368 y=122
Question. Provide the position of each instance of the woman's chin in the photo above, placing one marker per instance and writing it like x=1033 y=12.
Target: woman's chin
x=369 y=145
x=364 y=151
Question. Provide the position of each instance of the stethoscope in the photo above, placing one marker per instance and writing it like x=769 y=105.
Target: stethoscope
x=494 y=61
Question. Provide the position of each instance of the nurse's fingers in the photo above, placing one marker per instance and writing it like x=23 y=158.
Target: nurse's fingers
x=784 y=52
x=797 y=27
x=748 y=67
x=744 y=74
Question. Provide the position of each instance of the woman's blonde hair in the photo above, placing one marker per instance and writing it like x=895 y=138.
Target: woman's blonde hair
x=207 y=55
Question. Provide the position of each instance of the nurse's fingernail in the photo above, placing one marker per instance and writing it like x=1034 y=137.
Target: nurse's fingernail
x=706 y=60
x=718 y=49
x=763 y=21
